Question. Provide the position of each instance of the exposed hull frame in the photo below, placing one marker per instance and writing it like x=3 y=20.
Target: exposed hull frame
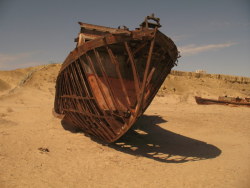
x=93 y=106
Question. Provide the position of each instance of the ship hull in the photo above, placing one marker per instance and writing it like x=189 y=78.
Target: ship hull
x=106 y=84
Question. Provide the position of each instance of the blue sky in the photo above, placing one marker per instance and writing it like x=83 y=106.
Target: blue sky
x=211 y=35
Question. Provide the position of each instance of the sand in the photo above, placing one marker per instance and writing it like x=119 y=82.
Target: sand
x=177 y=143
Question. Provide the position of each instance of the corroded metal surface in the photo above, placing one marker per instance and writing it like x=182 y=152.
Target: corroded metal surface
x=112 y=76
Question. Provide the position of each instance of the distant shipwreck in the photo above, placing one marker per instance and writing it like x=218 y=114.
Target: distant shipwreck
x=233 y=101
x=110 y=78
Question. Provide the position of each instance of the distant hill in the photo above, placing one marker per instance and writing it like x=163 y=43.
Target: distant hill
x=180 y=86
x=185 y=85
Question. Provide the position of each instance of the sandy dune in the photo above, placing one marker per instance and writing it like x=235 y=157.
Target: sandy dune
x=177 y=143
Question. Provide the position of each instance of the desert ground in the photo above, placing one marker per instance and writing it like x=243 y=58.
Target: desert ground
x=176 y=143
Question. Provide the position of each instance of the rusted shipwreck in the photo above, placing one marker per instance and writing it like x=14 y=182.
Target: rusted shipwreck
x=110 y=78
x=224 y=100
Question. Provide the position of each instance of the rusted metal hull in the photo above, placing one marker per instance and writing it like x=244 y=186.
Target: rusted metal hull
x=223 y=101
x=107 y=83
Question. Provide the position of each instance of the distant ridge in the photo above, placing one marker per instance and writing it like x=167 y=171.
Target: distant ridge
x=229 y=78
x=182 y=86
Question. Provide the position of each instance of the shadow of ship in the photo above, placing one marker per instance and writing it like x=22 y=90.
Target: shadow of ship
x=149 y=140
